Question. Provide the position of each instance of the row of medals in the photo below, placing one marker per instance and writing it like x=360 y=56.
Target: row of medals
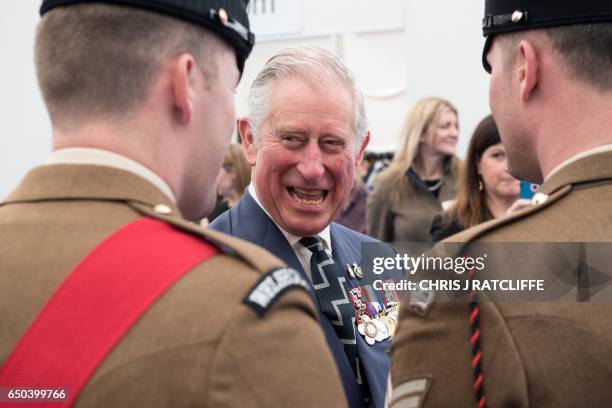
x=380 y=327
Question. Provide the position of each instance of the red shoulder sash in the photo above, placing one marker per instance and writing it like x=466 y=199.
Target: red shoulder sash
x=97 y=304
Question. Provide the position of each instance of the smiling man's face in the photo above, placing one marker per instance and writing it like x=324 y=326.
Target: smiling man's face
x=305 y=157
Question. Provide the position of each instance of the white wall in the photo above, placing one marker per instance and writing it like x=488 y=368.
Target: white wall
x=24 y=125
x=399 y=50
x=444 y=44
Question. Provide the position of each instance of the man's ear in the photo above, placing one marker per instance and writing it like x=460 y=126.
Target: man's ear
x=528 y=69
x=362 y=149
x=248 y=140
x=183 y=87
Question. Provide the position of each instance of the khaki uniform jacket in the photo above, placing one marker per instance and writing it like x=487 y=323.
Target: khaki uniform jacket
x=408 y=218
x=537 y=354
x=198 y=345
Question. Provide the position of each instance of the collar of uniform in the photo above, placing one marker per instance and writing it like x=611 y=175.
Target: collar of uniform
x=86 y=155
x=87 y=182
x=293 y=240
x=591 y=165
x=590 y=152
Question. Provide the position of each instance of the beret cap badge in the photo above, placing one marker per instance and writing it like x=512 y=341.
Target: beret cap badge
x=516 y=16
x=223 y=16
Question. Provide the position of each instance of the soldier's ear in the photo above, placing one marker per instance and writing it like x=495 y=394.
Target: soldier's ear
x=248 y=140
x=183 y=87
x=528 y=69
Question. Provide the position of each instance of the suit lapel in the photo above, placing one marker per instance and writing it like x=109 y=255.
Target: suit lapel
x=341 y=248
x=344 y=250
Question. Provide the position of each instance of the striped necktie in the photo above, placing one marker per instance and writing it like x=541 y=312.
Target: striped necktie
x=332 y=290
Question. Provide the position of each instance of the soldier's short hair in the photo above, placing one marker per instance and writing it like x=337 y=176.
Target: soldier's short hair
x=584 y=48
x=100 y=59
x=587 y=49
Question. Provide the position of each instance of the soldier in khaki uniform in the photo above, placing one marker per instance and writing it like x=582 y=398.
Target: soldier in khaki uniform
x=550 y=93
x=142 y=109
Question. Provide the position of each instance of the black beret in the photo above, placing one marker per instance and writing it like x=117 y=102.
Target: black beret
x=504 y=16
x=226 y=18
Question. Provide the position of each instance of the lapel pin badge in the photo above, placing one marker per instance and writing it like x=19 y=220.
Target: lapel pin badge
x=350 y=271
x=357 y=270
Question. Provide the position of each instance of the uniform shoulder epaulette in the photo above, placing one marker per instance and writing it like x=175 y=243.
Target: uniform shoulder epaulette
x=258 y=258
x=472 y=234
x=276 y=278
x=420 y=301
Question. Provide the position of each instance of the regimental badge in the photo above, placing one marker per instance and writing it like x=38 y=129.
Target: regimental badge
x=376 y=312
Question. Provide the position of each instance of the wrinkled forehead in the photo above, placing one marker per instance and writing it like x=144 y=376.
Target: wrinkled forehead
x=307 y=95
x=317 y=80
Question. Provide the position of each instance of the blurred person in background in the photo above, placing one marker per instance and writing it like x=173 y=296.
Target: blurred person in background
x=232 y=180
x=422 y=177
x=373 y=164
x=485 y=190
x=352 y=214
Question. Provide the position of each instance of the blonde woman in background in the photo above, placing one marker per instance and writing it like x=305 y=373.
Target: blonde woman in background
x=421 y=178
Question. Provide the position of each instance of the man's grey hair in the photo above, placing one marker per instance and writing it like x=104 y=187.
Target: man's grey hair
x=310 y=64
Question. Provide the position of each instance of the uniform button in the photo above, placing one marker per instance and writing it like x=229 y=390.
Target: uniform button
x=162 y=209
x=539 y=198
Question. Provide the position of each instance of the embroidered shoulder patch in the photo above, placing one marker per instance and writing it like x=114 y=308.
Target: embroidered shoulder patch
x=271 y=286
x=421 y=301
